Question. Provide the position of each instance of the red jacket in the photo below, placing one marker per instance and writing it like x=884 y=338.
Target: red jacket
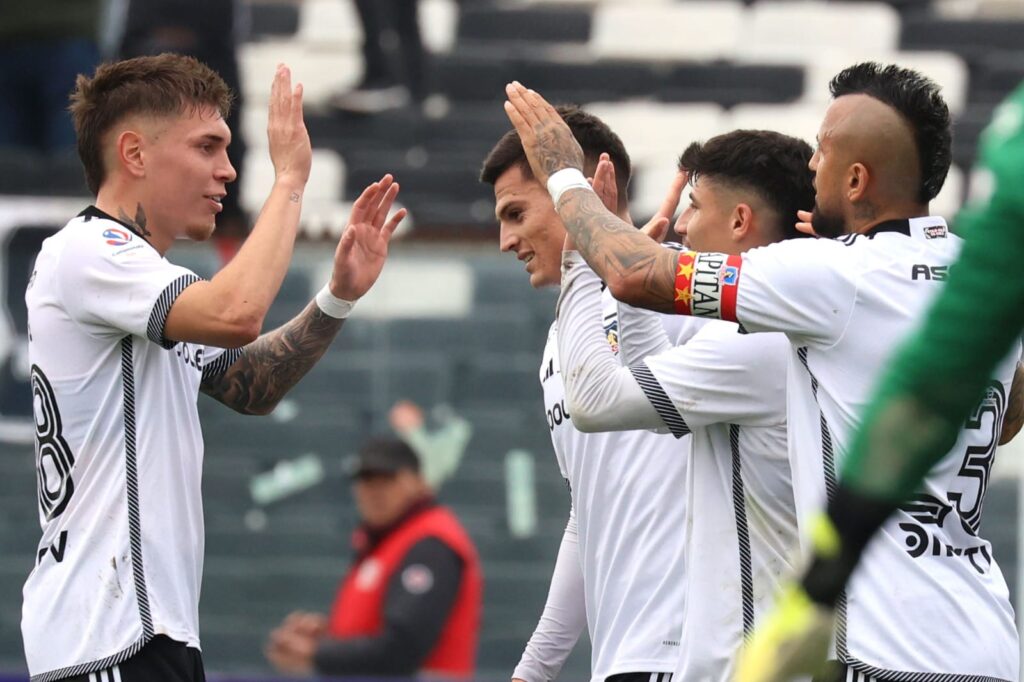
x=358 y=608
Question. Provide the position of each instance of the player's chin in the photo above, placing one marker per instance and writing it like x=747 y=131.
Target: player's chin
x=541 y=279
x=201 y=231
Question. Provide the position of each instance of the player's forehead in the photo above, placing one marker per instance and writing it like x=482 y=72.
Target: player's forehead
x=514 y=187
x=198 y=121
x=839 y=115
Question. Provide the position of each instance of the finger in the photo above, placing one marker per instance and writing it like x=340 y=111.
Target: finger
x=805 y=216
x=347 y=242
x=392 y=225
x=675 y=191
x=519 y=123
x=363 y=204
x=296 y=104
x=806 y=228
x=537 y=102
x=656 y=228
x=384 y=207
x=517 y=97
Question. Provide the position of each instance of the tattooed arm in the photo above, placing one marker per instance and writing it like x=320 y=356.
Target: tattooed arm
x=636 y=269
x=272 y=364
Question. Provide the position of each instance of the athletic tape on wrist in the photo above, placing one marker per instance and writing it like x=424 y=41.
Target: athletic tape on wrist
x=332 y=306
x=562 y=181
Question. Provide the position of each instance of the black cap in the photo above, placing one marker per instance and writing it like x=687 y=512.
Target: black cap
x=382 y=456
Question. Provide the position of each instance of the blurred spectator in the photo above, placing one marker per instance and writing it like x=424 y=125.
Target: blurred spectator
x=411 y=599
x=208 y=31
x=439 y=449
x=44 y=45
x=389 y=81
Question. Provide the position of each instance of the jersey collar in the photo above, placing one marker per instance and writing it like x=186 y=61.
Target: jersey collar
x=91 y=212
x=928 y=227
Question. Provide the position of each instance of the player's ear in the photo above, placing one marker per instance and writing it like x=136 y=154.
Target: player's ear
x=857 y=180
x=742 y=222
x=129 y=153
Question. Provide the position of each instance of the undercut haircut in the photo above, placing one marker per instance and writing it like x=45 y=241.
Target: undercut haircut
x=161 y=85
x=594 y=137
x=920 y=103
x=770 y=164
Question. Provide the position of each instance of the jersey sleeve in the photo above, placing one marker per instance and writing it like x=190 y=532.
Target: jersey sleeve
x=797 y=287
x=216 y=361
x=119 y=289
x=564 y=616
x=601 y=393
x=719 y=376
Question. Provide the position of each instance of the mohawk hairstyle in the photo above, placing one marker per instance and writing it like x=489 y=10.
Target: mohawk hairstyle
x=919 y=102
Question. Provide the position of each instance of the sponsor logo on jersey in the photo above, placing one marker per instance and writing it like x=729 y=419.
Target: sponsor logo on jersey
x=417 y=579
x=611 y=333
x=935 y=232
x=116 y=236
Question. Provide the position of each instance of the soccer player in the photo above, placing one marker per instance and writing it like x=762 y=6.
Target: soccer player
x=931 y=603
x=122 y=341
x=932 y=387
x=727 y=388
x=619 y=570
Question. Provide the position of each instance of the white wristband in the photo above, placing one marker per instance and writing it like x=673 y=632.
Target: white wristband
x=562 y=181
x=332 y=306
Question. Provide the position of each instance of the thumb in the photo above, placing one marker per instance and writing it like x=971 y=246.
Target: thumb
x=656 y=228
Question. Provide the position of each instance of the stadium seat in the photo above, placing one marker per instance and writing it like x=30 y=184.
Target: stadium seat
x=654 y=132
x=485 y=24
x=798 y=120
x=439 y=23
x=662 y=31
x=786 y=29
x=323 y=69
x=945 y=68
x=329 y=22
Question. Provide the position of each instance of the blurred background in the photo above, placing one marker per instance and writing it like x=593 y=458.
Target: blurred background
x=453 y=325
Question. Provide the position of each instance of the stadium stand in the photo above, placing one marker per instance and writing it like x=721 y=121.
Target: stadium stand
x=662 y=72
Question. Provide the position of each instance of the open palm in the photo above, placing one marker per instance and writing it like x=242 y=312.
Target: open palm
x=363 y=247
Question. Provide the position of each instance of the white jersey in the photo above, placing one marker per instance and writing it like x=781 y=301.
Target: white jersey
x=626 y=494
x=729 y=391
x=118 y=452
x=928 y=601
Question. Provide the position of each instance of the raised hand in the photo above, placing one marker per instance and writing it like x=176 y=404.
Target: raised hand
x=363 y=247
x=804 y=223
x=290 y=149
x=547 y=140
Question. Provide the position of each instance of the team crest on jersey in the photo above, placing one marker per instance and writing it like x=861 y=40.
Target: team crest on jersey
x=417 y=579
x=116 y=236
x=368 y=575
x=730 y=275
x=935 y=232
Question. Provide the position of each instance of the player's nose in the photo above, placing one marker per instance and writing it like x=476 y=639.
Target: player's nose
x=507 y=239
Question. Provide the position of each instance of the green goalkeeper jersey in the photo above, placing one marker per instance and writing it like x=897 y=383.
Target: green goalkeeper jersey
x=940 y=374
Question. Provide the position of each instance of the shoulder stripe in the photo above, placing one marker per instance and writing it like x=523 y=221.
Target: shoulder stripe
x=158 y=318
x=660 y=400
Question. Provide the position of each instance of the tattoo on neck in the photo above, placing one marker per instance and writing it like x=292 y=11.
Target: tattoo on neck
x=138 y=223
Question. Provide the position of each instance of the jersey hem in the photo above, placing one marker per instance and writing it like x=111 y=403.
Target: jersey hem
x=897 y=676
x=653 y=667
x=92 y=666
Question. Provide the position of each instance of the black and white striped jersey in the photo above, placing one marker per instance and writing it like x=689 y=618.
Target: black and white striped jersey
x=928 y=601
x=727 y=390
x=629 y=512
x=118 y=452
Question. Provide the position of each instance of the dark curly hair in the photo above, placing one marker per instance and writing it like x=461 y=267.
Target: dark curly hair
x=594 y=137
x=919 y=102
x=771 y=164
